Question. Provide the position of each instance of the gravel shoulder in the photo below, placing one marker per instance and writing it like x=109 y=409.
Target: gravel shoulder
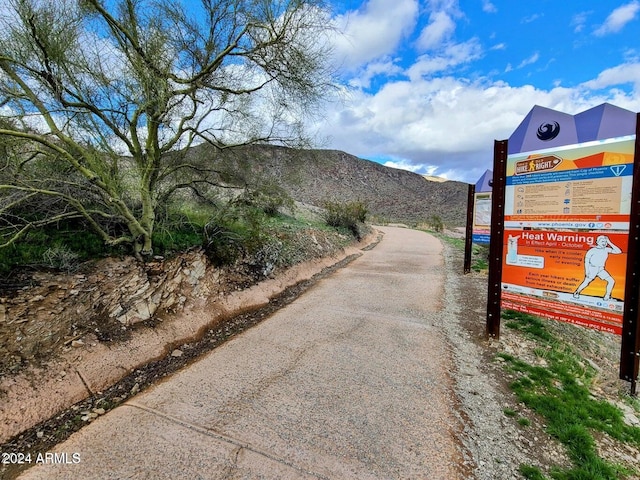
x=497 y=444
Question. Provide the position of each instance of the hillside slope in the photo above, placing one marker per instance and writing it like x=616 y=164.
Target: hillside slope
x=316 y=176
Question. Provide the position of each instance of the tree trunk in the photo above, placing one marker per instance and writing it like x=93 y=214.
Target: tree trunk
x=147 y=219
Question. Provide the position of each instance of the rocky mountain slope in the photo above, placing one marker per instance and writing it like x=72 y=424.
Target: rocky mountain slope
x=316 y=176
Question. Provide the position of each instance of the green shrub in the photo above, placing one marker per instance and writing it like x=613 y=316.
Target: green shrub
x=233 y=232
x=63 y=246
x=349 y=215
x=175 y=231
x=531 y=473
x=436 y=224
x=166 y=240
x=480 y=258
x=268 y=197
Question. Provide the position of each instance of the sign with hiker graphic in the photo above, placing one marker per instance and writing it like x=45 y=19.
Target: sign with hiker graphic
x=566 y=225
x=566 y=221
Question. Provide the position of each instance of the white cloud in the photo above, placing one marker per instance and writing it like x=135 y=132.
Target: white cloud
x=385 y=67
x=412 y=167
x=619 y=18
x=532 y=18
x=449 y=57
x=373 y=31
x=448 y=125
x=488 y=7
x=440 y=28
x=529 y=61
x=628 y=73
x=437 y=122
x=631 y=55
x=579 y=20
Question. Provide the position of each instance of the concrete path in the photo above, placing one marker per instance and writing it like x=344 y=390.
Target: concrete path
x=349 y=381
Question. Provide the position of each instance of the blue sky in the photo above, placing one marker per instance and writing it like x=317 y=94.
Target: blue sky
x=428 y=85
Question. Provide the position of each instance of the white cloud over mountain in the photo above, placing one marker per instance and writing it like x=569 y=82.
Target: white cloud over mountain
x=412 y=92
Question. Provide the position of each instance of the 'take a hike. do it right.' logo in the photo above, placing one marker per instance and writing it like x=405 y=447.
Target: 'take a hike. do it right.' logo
x=548 y=131
x=537 y=164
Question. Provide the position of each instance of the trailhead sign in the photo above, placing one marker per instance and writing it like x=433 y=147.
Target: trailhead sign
x=566 y=218
x=565 y=224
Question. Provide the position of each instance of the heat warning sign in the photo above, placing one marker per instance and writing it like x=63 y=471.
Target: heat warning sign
x=566 y=233
x=585 y=270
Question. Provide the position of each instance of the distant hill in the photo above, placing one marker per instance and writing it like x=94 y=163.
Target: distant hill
x=315 y=176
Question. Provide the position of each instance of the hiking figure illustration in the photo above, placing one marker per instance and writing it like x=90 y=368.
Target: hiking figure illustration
x=594 y=265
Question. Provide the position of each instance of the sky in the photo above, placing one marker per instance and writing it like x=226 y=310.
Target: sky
x=428 y=85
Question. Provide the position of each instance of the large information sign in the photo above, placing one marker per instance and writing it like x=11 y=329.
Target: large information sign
x=566 y=225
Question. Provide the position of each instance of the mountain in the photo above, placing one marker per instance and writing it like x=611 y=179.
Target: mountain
x=316 y=176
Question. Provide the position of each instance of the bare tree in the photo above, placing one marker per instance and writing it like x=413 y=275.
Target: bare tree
x=94 y=94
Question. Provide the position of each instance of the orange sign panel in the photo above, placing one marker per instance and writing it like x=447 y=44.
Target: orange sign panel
x=566 y=233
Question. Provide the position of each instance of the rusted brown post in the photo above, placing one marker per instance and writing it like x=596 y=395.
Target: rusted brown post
x=496 y=243
x=468 y=239
x=630 y=345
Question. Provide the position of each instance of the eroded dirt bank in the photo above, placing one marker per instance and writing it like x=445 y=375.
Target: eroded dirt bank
x=168 y=324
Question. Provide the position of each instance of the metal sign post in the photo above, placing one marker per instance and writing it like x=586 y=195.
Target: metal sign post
x=630 y=347
x=497 y=231
x=468 y=239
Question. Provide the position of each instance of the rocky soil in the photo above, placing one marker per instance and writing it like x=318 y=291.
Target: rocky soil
x=93 y=338
x=43 y=312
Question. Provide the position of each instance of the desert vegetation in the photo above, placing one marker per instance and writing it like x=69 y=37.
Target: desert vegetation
x=101 y=102
x=555 y=384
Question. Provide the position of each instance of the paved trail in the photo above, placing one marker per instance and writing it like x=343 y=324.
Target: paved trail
x=349 y=381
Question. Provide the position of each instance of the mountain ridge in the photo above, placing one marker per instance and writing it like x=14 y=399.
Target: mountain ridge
x=316 y=176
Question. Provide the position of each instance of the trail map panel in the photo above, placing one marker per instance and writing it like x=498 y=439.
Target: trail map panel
x=482 y=218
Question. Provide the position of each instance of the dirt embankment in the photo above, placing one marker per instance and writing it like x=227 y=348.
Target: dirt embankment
x=98 y=326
